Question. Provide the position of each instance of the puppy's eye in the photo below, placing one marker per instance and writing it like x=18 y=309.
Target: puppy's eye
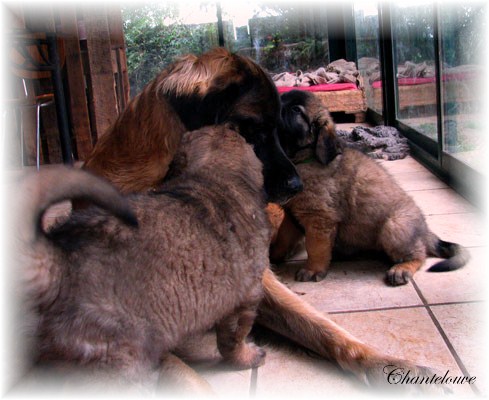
x=296 y=109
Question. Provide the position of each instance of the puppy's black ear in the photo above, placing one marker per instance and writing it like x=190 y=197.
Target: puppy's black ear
x=328 y=145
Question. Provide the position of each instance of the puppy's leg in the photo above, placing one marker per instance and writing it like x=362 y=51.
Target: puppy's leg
x=275 y=214
x=285 y=240
x=231 y=335
x=177 y=378
x=319 y=246
x=402 y=272
x=396 y=239
x=286 y=313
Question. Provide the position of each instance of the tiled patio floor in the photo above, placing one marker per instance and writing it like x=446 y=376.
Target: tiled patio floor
x=437 y=320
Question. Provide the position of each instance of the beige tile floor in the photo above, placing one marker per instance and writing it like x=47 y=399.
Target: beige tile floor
x=437 y=320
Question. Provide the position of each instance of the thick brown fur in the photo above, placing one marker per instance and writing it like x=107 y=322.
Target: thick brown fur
x=217 y=87
x=123 y=297
x=350 y=202
x=253 y=113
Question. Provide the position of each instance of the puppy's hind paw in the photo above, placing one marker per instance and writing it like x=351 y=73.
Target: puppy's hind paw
x=259 y=355
x=248 y=356
x=397 y=276
x=306 y=275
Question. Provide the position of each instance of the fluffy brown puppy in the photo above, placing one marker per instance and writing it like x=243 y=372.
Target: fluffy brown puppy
x=350 y=202
x=215 y=88
x=122 y=297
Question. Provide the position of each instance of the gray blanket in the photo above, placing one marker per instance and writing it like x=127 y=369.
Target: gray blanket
x=381 y=142
x=339 y=71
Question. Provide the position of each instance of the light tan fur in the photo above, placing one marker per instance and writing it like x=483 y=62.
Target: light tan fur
x=136 y=152
x=194 y=75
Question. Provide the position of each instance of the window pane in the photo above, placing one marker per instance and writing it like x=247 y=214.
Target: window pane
x=157 y=32
x=367 y=38
x=415 y=61
x=281 y=37
x=463 y=50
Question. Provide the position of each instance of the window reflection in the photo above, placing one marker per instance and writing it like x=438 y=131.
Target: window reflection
x=415 y=59
x=367 y=40
x=278 y=36
x=463 y=50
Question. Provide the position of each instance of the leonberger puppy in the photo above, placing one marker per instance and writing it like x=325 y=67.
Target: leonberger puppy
x=216 y=88
x=349 y=202
x=124 y=287
x=223 y=88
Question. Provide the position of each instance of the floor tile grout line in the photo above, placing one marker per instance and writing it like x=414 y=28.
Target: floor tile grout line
x=431 y=214
x=253 y=382
x=424 y=189
x=363 y=310
x=435 y=189
x=444 y=336
x=451 y=303
x=474 y=210
x=475 y=246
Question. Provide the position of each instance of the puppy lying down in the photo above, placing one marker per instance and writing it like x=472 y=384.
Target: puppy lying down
x=121 y=288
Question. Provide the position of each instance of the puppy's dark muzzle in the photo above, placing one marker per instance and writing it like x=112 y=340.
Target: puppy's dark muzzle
x=284 y=190
x=294 y=186
x=282 y=182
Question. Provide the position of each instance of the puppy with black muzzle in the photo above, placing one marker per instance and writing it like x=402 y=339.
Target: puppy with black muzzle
x=349 y=203
x=121 y=289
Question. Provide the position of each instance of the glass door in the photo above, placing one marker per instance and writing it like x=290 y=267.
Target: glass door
x=463 y=47
x=367 y=43
x=414 y=34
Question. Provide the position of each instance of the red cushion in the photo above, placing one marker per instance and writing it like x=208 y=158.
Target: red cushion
x=460 y=76
x=325 y=87
x=407 y=81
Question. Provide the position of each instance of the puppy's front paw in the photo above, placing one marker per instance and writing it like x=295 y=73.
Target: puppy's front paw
x=306 y=275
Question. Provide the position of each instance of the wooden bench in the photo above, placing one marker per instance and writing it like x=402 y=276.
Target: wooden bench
x=337 y=97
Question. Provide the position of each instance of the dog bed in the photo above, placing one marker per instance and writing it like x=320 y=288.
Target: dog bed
x=417 y=85
x=338 y=85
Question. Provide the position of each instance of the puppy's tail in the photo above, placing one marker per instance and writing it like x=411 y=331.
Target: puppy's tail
x=55 y=184
x=38 y=272
x=456 y=255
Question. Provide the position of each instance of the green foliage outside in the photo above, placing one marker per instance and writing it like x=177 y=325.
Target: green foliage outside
x=155 y=36
x=287 y=40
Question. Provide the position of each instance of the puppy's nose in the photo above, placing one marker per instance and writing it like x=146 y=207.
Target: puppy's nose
x=294 y=185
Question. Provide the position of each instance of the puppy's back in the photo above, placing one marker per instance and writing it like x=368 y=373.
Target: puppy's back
x=353 y=187
x=188 y=265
